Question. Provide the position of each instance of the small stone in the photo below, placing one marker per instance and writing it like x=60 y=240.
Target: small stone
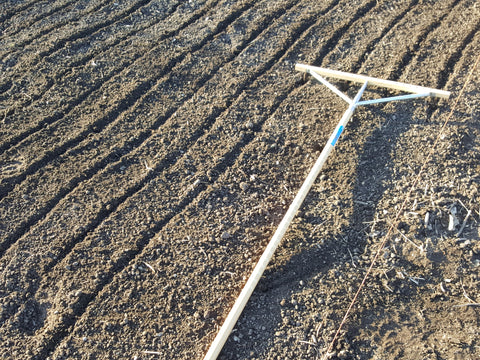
x=283 y=302
x=236 y=338
x=452 y=222
x=465 y=244
x=226 y=235
x=243 y=186
x=207 y=314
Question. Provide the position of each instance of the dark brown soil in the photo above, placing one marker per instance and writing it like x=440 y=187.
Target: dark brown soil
x=149 y=149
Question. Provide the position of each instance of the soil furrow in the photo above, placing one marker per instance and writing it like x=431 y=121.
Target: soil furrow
x=461 y=68
x=65 y=80
x=371 y=46
x=143 y=208
x=456 y=57
x=148 y=258
x=98 y=145
x=83 y=90
x=40 y=49
x=444 y=47
x=160 y=118
x=21 y=22
x=17 y=71
x=273 y=60
x=95 y=18
x=236 y=151
x=13 y=84
x=18 y=74
x=341 y=31
x=50 y=147
x=7 y=12
x=438 y=15
x=15 y=44
x=201 y=99
x=222 y=164
x=90 y=151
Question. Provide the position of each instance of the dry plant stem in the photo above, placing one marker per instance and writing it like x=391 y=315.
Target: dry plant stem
x=466 y=295
x=406 y=238
x=400 y=211
x=152 y=352
x=464 y=223
x=464 y=305
x=351 y=257
x=463 y=205
x=149 y=266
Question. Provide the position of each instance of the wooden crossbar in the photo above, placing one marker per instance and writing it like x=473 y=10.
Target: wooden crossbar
x=372 y=81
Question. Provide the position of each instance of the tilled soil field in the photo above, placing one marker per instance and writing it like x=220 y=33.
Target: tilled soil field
x=149 y=149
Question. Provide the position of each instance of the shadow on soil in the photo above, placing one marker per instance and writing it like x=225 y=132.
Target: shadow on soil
x=262 y=314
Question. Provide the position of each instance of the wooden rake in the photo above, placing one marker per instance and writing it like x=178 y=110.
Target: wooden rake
x=318 y=73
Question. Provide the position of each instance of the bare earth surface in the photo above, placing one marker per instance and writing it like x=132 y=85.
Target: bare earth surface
x=149 y=149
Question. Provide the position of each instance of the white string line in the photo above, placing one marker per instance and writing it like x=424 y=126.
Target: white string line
x=400 y=211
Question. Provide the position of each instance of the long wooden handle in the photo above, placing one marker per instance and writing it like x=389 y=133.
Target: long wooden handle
x=257 y=272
